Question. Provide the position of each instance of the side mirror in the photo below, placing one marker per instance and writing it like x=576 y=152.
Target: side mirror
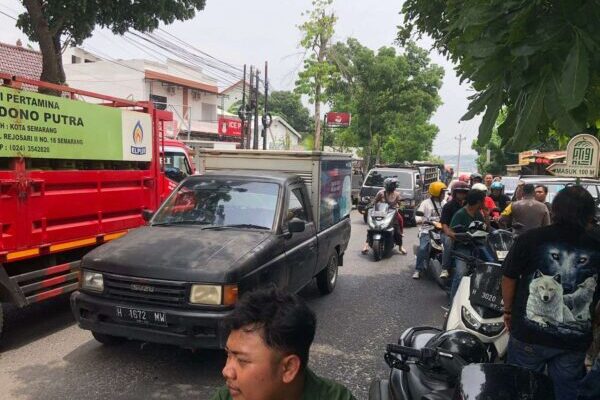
x=296 y=225
x=147 y=215
x=419 y=214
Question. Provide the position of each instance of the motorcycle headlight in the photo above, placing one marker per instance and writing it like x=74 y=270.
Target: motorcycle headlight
x=93 y=281
x=488 y=329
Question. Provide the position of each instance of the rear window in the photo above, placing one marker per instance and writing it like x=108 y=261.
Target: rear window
x=376 y=178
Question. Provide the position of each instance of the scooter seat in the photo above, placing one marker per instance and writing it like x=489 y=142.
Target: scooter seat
x=444 y=394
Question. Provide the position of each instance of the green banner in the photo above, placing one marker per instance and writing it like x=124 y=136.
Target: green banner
x=34 y=125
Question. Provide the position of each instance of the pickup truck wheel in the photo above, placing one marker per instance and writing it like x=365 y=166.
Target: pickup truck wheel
x=327 y=278
x=107 y=340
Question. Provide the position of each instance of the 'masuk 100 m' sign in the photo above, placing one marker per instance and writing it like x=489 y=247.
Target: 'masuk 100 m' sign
x=34 y=125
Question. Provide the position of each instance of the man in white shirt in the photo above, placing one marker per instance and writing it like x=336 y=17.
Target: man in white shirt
x=432 y=211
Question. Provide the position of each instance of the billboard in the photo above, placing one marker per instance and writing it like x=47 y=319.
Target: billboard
x=34 y=125
x=230 y=126
x=338 y=119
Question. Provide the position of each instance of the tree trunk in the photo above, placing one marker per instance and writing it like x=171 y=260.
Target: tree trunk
x=318 y=117
x=52 y=68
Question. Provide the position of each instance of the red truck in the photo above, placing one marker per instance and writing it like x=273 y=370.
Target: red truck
x=74 y=175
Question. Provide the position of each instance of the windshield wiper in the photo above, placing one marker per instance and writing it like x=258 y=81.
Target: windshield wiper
x=247 y=226
x=184 y=222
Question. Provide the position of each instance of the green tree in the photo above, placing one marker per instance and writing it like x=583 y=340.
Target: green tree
x=391 y=97
x=540 y=60
x=58 y=23
x=317 y=74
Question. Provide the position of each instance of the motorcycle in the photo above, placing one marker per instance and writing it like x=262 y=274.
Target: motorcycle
x=420 y=370
x=436 y=251
x=381 y=233
x=477 y=306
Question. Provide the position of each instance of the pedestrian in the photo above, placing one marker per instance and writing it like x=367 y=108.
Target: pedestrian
x=475 y=178
x=268 y=347
x=459 y=194
x=393 y=198
x=488 y=179
x=471 y=212
x=431 y=209
x=526 y=214
x=541 y=194
x=549 y=289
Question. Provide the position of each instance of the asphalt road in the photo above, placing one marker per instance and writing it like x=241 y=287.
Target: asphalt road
x=46 y=356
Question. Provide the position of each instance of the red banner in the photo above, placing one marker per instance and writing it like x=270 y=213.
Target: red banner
x=230 y=126
x=338 y=119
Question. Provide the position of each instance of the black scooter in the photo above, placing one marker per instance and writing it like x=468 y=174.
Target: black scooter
x=419 y=372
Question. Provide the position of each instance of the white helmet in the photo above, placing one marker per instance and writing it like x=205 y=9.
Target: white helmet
x=479 y=186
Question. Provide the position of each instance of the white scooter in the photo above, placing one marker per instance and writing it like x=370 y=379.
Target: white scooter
x=477 y=306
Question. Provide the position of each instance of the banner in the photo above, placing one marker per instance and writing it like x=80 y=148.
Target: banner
x=34 y=125
x=230 y=126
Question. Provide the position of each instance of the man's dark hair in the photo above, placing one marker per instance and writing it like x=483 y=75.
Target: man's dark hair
x=528 y=189
x=573 y=205
x=474 y=197
x=544 y=188
x=283 y=320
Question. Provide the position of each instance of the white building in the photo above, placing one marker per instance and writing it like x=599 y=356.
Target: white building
x=280 y=135
x=184 y=90
x=234 y=93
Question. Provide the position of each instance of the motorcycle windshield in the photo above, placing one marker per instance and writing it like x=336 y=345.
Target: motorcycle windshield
x=503 y=382
x=500 y=242
x=380 y=210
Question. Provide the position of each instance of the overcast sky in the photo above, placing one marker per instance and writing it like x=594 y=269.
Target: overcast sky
x=252 y=32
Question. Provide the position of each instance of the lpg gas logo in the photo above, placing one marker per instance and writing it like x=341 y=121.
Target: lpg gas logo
x=138 y=140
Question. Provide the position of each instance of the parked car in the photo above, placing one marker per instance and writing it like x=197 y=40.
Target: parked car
x=241 y=225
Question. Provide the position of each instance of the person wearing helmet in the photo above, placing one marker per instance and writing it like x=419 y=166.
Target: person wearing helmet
x=459 y=194
x=488 y=203
x=476 y=178
x=497 y=194
x=432 y=211
x=390 y=196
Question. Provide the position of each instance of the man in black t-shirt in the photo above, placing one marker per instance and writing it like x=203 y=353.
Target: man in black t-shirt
x=550 y=288
x=459 y=194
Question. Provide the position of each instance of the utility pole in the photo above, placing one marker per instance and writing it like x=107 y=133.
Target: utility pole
x=264 y=120
x=249 y=108
x=460 y=139
x=255 y=104
x=242 y=111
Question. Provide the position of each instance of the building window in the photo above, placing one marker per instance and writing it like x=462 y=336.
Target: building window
x=209 y=112
x=75 y=60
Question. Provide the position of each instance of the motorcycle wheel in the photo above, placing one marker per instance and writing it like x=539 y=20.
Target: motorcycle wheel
x=388 y=248
x=378 y=249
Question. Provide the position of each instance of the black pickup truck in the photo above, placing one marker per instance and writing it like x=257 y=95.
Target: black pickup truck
x=216 y=237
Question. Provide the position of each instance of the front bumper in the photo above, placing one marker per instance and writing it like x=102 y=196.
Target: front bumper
x=186 y=328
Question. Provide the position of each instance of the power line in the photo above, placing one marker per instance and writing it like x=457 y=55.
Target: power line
x=8 y=15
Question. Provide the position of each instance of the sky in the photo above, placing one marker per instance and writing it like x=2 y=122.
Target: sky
x=252 y=32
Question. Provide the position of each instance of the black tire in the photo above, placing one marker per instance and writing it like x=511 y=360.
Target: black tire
x=327 y=278
x=378 y=248
x=107 y=340
x=388 y=248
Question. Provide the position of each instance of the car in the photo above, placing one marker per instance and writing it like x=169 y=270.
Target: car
x=556 y=184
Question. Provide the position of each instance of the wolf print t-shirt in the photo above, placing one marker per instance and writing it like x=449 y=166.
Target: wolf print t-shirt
x=557 y=269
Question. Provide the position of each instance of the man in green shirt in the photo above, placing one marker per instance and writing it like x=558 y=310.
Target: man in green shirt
x=268 y=348
x=464 y=217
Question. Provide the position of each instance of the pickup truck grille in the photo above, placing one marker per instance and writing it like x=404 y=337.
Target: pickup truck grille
x=141 y=290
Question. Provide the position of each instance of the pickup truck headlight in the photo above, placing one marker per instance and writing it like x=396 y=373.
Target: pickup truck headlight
x=92 y=281
x=214 y=295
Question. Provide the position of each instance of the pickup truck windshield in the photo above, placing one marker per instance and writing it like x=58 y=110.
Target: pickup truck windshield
x=221 y=203
x=377 y=177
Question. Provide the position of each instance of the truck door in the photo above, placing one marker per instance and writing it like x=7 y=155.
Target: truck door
x=301 y=248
